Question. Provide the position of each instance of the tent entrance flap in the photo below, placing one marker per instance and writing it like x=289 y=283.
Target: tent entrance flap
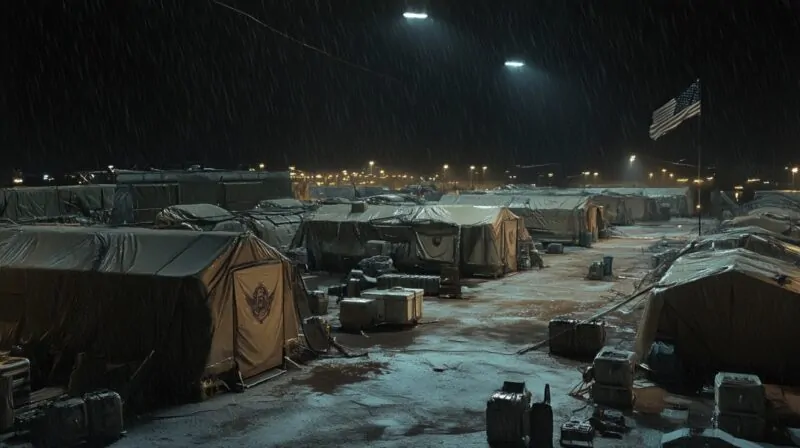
x=259 y=333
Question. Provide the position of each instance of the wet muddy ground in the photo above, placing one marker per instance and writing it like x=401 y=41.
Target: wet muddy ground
x=428 y=386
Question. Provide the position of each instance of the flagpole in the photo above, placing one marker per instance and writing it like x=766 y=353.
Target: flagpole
x=699 y=161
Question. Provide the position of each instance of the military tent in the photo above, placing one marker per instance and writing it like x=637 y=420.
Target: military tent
x=139 y=196
x=204 y=303
x=21 y=204
x=480 y=240
x=549 y=218
x=734 y=311
x=679 y=199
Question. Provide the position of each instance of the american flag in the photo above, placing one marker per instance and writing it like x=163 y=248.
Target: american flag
x=676 y=111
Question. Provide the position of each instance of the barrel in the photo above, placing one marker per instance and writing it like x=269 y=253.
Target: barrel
x=608 y=262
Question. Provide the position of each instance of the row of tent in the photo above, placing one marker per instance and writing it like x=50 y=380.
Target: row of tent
x=138 y=196
x=192 y=305
x=729 y=302
x=480 y=240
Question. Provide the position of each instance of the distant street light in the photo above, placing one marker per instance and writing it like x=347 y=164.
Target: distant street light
x=794 y=171
x=415 y=15
x=595 y=174
x=471 y=173
x=514 y=64
x=261 y=166
x=371 y=165
x=632 y=158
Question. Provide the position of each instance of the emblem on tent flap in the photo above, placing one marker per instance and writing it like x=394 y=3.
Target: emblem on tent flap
x=260 y=302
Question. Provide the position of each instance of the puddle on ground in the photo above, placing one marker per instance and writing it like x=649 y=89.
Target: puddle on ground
x=514 y=332
x=328 y=378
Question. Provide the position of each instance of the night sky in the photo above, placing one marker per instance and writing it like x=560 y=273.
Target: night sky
x=163 y=83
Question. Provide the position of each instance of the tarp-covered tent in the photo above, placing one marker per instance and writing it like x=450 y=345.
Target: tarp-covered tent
x=196 y=216
x=679 y=199
x=772 y=222
x=351 y=192
x=550 y=218
x=139 y=196
x=42 y=203
x=282 y=204
x=276 y=228
x=203 y=302
x=734 y=311
x=480 y=240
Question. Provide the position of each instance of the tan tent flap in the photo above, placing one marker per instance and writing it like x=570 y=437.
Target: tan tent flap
x=258 y=293
x=729 y=311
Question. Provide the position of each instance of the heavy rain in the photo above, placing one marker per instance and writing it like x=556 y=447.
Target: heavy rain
x=395 y=223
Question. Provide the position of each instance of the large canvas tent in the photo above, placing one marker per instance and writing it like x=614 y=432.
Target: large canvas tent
x=25 y=204
x=480 y=240
x=139 y=196
x=549 y=218
x=734 y=311
x=204 y=303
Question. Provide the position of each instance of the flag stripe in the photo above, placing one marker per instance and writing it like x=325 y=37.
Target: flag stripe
x=676 y=111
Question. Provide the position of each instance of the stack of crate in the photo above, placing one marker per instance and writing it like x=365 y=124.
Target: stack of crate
x=613 y=378
x=740 y=405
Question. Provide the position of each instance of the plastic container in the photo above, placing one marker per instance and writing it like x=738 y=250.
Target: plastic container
x=104 y=412
x=613 y=397
x=739 y=393
x=614 y=367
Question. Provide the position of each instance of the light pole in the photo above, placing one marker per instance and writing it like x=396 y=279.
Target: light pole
x=371 y=165
x=471 y=172
x=444 y=174
x=794 y=171
x=483 y=174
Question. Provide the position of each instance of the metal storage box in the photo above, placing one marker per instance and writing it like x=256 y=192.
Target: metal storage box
x=62 y=424
x=568 y=337
x=104 y=413
x=744 y=426
x=614 y=367
x=19 y=370
x=739 y=393
x=507 y=416
x=577 y=433
x=318 y=302
x=431 y=284
x=357 y=314
x=612 y=396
